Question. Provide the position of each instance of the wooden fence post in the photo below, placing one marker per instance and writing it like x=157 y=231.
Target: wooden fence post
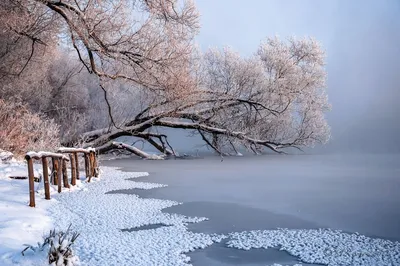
x=73 y=169
x=31 y=182
x=54 y=168
x=95 y=166
x=46 y=178
x=76 y=165
x=65 y=173
x=58 y=172
x=87 y=166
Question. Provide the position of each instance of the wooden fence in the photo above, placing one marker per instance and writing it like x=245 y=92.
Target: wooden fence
x=59 y=174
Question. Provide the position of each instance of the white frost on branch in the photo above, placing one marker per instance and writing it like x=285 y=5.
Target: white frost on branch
x=275 y=99
x=276 y=96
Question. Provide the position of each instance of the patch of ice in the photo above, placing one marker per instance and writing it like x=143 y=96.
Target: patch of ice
x=144 y=185
x=276 y=264
x=323 y=246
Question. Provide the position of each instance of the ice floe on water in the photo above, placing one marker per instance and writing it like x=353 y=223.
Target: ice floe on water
x=322 y=246
x=99 y=217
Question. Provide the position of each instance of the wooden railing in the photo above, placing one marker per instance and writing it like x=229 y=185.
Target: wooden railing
x=59 y=174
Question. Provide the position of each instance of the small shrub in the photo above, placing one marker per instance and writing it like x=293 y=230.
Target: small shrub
x=60 y=248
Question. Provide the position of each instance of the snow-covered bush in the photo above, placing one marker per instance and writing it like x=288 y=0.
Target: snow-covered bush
x=22 y=130
x=60 y=251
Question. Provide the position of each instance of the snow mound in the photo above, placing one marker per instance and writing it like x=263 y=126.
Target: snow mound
x=5 y=156
x=19 y=169
x=322 y=246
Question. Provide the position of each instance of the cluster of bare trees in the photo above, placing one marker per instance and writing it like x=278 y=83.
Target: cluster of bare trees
x=22 y=130
x=125 y=67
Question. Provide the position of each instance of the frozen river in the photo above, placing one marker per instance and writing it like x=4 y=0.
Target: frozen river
x=353 y=193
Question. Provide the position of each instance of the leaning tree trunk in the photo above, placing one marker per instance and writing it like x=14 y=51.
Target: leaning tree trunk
x=134 y=150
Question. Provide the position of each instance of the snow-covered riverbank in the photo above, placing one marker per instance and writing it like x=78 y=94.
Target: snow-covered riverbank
x=20 y=224
x=99 y=218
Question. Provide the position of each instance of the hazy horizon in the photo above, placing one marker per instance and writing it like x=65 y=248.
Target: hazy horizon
x=362 y=43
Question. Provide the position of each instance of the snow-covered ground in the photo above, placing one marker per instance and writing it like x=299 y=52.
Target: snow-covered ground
x=99 y=217
x=19 y=224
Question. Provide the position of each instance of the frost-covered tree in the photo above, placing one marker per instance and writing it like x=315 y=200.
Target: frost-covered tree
x=27 y=46
x=142 y=55
x=145 y=42
x=275 y=99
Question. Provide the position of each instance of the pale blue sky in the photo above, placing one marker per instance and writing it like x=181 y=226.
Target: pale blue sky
x=362 y=41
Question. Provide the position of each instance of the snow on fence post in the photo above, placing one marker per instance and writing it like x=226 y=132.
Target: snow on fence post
x=65 y=173
x=73 y=169
x=89 y=156
x=46 y=178
x=31 y=181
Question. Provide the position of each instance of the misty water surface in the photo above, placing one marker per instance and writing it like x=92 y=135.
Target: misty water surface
x=353 y=193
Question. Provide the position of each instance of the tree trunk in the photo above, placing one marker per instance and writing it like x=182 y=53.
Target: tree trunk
x=136 y=151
